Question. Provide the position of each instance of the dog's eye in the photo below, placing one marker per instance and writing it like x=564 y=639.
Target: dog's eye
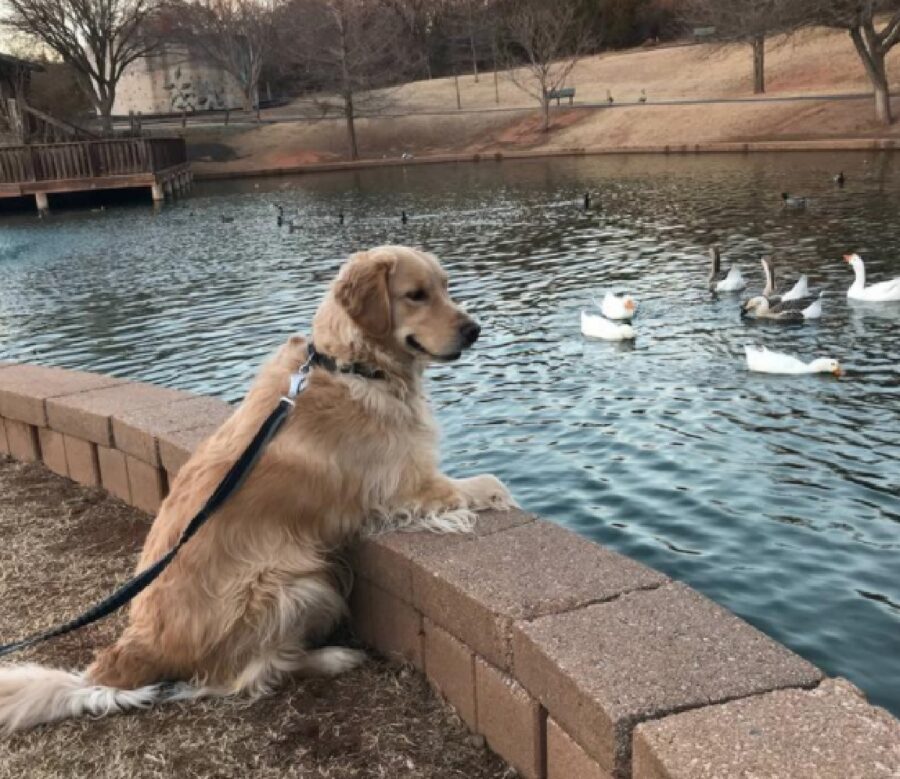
x=417 y=295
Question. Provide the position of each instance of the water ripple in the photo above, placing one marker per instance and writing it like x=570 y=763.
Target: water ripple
x=777 y=496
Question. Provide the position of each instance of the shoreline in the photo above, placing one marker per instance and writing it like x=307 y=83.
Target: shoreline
x=723 y=147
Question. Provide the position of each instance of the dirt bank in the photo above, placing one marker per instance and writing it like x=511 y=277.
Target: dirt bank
x=815 y=65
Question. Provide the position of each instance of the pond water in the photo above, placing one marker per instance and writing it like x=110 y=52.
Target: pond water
x=779 y=497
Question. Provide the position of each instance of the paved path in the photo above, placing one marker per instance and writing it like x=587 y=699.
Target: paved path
x=273 y=116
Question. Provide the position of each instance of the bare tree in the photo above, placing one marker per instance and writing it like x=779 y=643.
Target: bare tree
x=469 y=26
x=874 y=27
x=354 y=48
x=98 y=39
x=544 y=42
x=744 y=21
x=235 y=35
x=422 y=19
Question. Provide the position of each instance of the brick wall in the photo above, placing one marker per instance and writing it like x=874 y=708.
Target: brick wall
x=573 y=661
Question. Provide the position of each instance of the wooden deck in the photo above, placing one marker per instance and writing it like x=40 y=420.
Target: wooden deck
x=42 y=169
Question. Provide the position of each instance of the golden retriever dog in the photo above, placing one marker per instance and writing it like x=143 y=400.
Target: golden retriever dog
x=241 y=604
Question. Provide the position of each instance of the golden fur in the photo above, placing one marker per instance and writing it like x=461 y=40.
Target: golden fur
x=240 y=604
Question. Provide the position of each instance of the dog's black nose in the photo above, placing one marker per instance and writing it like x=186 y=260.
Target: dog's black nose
x=470 y=332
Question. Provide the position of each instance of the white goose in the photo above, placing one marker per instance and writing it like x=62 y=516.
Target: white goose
x=719 y=281
x=883 y=292
x=596 y=326
x=761 y=360
x=618 y=306
x=799 y=291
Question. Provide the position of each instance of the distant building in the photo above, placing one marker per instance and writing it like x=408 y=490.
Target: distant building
x=15 y=76
x=173 y=81
x=15 y=84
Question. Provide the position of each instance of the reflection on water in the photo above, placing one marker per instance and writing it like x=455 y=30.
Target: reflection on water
x=776 y=496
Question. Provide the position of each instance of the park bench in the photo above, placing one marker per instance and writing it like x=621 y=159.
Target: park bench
x=558 y=94
x=702 y=33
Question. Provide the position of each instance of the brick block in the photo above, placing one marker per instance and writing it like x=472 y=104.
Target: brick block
x=4 y=441
x=450 y=667
x=88 y=415
x=53 y=451
x=137 y=430
x=386 y=623
x=81 y=458
x=175 y=449
x=389 y=559
x=827 y=733
x=146 y=483
x=602 y=669
x=509 y=719
x=476 y=591
x=25 y=388
x=113 y=472
x=567 y=760
x=23 y=442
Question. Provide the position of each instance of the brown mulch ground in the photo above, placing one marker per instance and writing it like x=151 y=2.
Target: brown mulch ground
x=62 y=547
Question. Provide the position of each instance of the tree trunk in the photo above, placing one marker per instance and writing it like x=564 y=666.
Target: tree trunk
x=349 y=110
x=458 y=98
x=496 y=74
x=759 y=64
x=474 y=55
x=426 y=54
x=872 y=57
x=883 y=103
x=349 y=113
x=106 y=107
x=545 y=109
x=247 y=98
x=103 y=95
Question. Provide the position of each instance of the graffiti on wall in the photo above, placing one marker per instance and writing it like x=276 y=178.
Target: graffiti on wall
x=188 y=94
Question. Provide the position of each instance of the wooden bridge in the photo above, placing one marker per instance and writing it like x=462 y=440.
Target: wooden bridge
x=42 y=169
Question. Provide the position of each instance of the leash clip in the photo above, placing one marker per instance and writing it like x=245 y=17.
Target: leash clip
x=299 y=379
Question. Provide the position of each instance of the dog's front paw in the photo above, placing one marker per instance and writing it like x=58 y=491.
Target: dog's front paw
x=486 y=492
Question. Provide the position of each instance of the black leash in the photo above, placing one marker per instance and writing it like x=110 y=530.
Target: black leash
x=233 y=480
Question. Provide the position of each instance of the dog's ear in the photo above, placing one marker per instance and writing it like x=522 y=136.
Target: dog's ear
x=362 y=290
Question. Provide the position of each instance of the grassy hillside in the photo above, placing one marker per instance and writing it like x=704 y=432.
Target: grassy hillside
x=821 y=62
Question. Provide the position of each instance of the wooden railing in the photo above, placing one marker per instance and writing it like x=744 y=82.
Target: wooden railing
x=89 y=159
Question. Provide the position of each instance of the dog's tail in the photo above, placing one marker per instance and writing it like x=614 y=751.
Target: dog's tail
x=31 y=694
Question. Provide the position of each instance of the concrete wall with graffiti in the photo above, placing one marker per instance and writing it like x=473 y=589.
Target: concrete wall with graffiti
x=174 y=81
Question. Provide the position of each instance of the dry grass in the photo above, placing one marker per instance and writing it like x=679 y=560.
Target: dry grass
x=819 y=61
x=62 y=547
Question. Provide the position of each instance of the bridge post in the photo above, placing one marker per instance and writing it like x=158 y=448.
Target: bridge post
x=43 y=203
x=156 y=191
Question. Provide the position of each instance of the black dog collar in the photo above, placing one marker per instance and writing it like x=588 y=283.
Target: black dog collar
x=317 y=358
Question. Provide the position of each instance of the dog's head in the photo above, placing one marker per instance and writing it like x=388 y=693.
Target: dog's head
x=397 y=297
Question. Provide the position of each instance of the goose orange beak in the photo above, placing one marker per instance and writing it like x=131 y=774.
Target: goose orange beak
x=629 y=304
x=838 y=372
x=848 y=258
